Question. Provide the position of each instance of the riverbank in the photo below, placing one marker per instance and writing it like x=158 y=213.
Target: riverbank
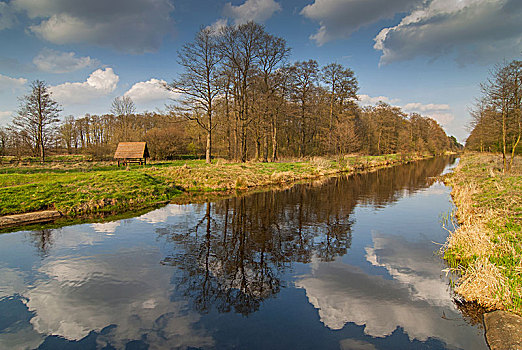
x=486 y=247
x=101 y=188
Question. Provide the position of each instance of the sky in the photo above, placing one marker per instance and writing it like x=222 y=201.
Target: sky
x=425 y=56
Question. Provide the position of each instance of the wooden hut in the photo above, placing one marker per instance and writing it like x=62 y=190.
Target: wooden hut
x=132 y=152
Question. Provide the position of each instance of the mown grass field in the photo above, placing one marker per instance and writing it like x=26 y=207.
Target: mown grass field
x=78 y=188
x=486 y=247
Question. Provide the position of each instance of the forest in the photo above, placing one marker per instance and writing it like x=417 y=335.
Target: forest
x=497 y=117
x=241 y=99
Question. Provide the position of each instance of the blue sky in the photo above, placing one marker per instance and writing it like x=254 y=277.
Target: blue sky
x=426 y=56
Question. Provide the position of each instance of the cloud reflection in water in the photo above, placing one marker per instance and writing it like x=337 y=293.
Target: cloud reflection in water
x=415 y=299
x=127 y=290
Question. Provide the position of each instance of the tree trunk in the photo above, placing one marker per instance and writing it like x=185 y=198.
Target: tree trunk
x=504 y=160
x=265 y=149
x=40 y=135
x=274 y=140
x=208 y=153
x=330 y=146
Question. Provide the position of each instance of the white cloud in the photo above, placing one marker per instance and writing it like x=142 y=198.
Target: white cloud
x=367 y=100
x=13 y=282
x=439 y=112
x=7 y=17
x=345 y=294
x=162 y=215
x=416 y=106
x=99 y=83
x=21 y=336
x=477 y=30
x=130 y=290
x=252 y=10
x=216 y=27
x=106 y=227
x=412 y=264
x=338 y=19
x=150 y=91
x=8 y=83
x=442 y=118
x=5 y=117
x=53 y=61
x=134 y=26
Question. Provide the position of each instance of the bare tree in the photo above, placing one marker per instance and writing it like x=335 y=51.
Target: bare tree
x=37 y=117
x=4 y=139
x=240 y=48
x=342 y=86
x=199 y=83
x=303 y=77
x=502 y=93
x=68 y=133
x=273 y=51
x=123 y=107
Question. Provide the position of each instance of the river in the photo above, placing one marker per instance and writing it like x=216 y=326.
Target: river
x=341 y=263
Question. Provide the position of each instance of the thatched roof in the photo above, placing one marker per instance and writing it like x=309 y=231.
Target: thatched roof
x=127 y=150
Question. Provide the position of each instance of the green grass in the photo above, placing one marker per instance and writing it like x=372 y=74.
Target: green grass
x=495 y=203
x=76 y=189
x=80 y=193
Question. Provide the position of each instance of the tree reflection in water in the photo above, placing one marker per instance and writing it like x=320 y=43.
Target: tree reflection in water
x=236 y=255
x=43 y=240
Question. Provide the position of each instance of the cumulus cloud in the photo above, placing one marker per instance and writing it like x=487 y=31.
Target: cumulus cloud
x=137 y=301
x=5 y=117
x=8 y=83
x=252 y=10
x=150 y=91
x=13 y=282
x=345 y=294
x=477 y=30
x=426 y=107
x=367 y=100
x=162 y=215
x=338 y=19
x=21 y=336
x=442 y=118
x=106 y=227
x=439 y=112
x=135 y=26
x=409 y=263
x=100 y=83
x=216 y=27
x=7 y=16
x=53 y=61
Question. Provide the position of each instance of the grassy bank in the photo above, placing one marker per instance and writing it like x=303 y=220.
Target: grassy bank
x=486 y=247
x=86 y=187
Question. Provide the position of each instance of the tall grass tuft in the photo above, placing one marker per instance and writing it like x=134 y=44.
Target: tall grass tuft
x=486 y=247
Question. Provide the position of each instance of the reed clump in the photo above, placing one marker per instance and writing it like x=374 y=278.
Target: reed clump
x=486 y=246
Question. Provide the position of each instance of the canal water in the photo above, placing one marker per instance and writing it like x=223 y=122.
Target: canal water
x=342 y=263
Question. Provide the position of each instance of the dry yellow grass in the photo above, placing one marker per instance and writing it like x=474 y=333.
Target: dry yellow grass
x=486 y=247
x=85 y=188
x=484 y=283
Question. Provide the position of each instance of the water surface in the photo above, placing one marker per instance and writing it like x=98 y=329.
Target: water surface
x=342 y=263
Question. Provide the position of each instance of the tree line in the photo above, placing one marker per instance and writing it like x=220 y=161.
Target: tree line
x=497 y=117
x=240 y=99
